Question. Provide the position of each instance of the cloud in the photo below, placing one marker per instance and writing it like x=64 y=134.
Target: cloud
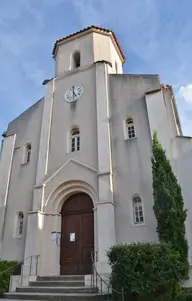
x=145 y=28
x=152 y=42
x=33 y=72
x=136 y=22
x=186 y=93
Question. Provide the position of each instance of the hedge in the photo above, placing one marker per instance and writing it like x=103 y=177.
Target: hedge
x=4 y=277
x=146 y=271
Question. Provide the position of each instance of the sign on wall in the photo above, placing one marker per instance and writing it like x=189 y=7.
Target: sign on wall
x=56 y=236
x=72 y=237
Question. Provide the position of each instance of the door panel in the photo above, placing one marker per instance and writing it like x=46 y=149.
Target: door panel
x=69 y=245
x=77 y=235
x=86 y=242
x=87 y=228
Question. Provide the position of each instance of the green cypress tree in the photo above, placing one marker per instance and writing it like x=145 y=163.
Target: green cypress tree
x=168 y=204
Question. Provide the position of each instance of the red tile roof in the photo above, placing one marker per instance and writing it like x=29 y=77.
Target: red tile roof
x=92 y=27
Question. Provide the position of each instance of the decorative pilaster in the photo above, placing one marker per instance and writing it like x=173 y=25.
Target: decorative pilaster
x=44 y=142
x=105 y=206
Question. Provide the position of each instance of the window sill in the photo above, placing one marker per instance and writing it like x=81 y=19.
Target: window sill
x=18 y=236
x=130 y=138
x=138 y=225
x=75 y=151
x=70 y=154
x=24 y=163
x=73 y=70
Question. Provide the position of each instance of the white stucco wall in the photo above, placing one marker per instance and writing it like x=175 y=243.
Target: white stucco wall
x=104 y=50
x=101 y=47
x=20 y=194
x=115 y=59
x=39 y=240
x=67 y=115
x=5 y=167
x=93 y=47
x=158 y=120
x=105 y=207
x=183 y=155
x=131 y=159
x=44 y=135
x=63 y=58
x=161 y=120
x=171 y=116
x=5 y=171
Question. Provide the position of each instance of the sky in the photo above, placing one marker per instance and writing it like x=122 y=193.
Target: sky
x=155 y=36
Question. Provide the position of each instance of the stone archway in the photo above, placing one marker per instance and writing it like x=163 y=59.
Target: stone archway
x=58 y=196
x=54 y=201
x=77 y=234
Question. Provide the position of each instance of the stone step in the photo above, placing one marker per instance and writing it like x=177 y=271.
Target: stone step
x=53 y=296
x=62 y=277
x=63 y=290
x=70 y=283
x=17 y=300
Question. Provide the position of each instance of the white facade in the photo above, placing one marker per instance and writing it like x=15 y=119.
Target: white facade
x=116 y=116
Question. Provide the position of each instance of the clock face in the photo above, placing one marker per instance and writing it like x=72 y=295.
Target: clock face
x=74 y=93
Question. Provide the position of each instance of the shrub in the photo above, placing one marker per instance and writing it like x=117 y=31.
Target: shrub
x=184 y=296
x=4 y=277
x=145 y=270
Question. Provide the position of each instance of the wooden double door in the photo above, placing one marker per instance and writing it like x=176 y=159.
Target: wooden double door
x=77 y=235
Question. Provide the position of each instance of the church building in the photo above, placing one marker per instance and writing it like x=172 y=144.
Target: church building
x=75 y=168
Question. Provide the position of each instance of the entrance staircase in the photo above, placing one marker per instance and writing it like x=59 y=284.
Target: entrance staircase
x=68 y=288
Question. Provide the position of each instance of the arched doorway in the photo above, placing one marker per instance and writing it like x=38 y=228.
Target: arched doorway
x=77 y=235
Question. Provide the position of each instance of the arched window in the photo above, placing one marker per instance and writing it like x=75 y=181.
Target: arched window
x=130 y=128
x=76 y=60
x=138 y=212
x=19 y=226
x=75 y=140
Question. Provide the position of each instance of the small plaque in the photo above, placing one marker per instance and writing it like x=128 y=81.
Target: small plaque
x=72 y=236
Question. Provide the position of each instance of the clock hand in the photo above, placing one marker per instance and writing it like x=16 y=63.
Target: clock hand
x=72 y=90
x=74 y=94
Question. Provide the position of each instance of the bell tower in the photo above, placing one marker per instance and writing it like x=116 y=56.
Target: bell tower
x=84 y=48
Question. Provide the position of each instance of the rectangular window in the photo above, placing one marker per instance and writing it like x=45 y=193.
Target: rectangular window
x=20 y=230
x=131 y=132
x=26 y=153
x=78 y=143
x=138 y=212
x=19 y=224
x=73 y=145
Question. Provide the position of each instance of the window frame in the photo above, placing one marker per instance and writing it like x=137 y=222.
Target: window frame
x=26 y=156
x=19 y=225
x=28 y=153
x=75 y=140
x=134 y=212
x=130 y=128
